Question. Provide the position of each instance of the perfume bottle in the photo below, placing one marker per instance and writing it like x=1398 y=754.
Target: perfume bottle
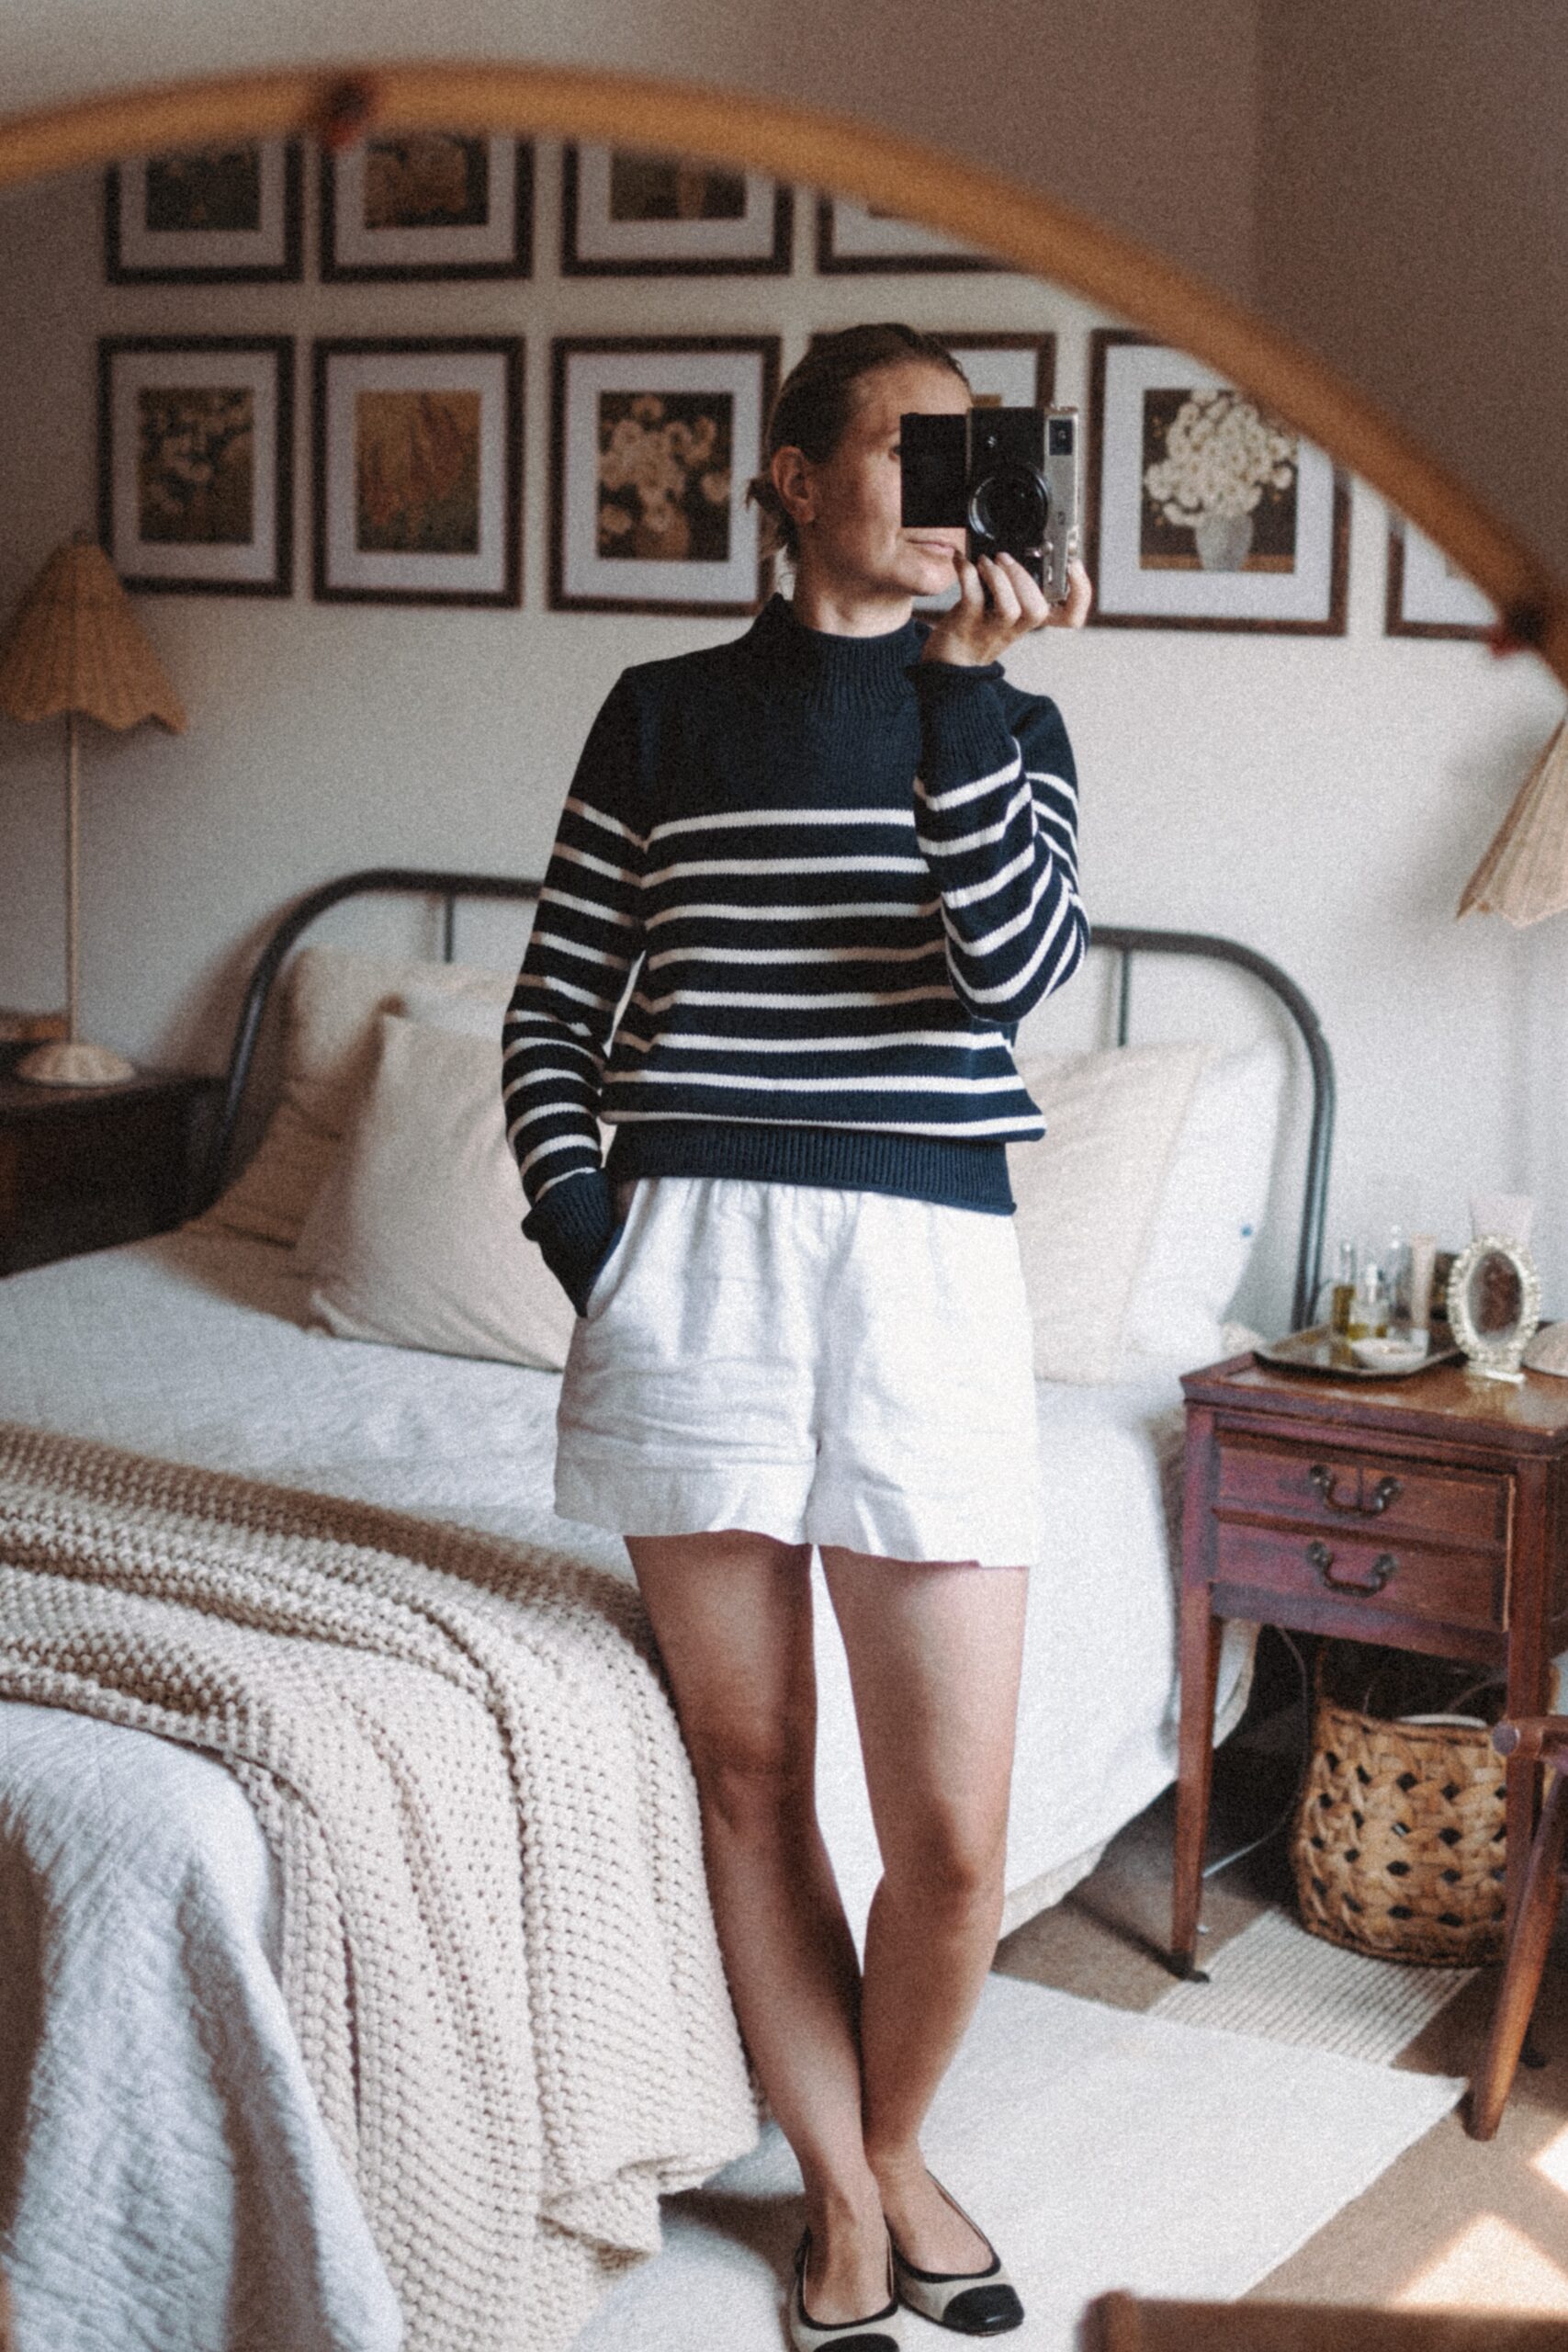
x=1368 y=1305
x=1343 y=1298
x=1399 y=1275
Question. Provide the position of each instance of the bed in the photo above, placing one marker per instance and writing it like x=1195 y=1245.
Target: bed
x=166 y=2184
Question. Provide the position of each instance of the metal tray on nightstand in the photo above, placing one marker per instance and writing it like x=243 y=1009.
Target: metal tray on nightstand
x=1317 y=1350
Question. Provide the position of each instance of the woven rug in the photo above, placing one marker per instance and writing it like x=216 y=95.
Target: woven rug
x=1099 y=2147
x=1277 y=1981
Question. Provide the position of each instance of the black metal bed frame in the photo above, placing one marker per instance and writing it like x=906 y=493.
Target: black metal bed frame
x=1120 y=939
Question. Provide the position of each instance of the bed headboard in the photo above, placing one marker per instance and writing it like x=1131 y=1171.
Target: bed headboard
x=1118 y=939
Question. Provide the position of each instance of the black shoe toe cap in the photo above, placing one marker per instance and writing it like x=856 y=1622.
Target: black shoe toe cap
x=984 y=2310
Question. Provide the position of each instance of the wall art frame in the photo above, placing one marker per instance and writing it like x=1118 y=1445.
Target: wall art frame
x=426 y=206
x=205 y=217
x=196 y=440
x=635 y=529
x=417 y=470
x=627 y=214
x=1170 y=437
x=853 y=240
x=1428 y=596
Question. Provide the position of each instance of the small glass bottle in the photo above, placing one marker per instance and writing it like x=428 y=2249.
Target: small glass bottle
x=1369 y=1308
x=1399 y=1270
x=1343 y=1294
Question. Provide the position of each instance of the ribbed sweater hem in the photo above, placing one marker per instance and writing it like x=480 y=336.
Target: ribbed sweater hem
x=954 y=1172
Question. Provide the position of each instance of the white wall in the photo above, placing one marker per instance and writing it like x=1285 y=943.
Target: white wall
x=1321 y=798
x=1412 y=226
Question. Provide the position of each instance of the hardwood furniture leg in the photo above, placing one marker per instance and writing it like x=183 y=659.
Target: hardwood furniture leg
x=1529 y=1663
x=1529 y=1936
x=1201 y=1632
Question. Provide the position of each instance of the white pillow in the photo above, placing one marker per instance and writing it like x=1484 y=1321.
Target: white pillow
x=415 y=1237
x=332 y=996
x=1211 y=1208
x=1088 y=1191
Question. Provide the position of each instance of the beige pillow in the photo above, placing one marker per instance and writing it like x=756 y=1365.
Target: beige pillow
x=415 y=1237
x=1087 y=1193
x=333 y=997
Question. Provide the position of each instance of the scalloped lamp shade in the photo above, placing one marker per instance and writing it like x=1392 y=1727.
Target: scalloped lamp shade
x=1524 y=873
x=77 y=647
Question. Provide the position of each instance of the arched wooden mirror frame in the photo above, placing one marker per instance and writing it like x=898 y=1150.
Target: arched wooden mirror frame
x=820 y=149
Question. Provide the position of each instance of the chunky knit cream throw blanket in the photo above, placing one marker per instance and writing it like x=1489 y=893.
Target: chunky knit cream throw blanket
x=498 y=1952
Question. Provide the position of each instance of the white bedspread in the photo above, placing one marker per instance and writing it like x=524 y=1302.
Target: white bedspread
x=195 y=1347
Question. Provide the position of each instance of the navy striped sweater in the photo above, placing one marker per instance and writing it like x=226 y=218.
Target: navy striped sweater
x=841 y=877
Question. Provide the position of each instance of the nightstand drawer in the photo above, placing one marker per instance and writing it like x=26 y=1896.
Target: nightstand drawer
x=1338 y=1492
x=1364 y=1568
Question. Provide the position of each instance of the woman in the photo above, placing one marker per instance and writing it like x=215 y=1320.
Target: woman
x=846 y=850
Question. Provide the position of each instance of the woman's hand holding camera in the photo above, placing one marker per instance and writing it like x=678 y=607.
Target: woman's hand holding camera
x=998 y=602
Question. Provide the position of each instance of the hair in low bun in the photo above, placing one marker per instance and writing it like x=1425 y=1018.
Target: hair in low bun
x=816 y=401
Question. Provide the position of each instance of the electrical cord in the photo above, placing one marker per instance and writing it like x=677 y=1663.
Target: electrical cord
x=1212 y=1869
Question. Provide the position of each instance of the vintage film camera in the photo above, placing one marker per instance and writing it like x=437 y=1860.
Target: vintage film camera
x=1009 y=475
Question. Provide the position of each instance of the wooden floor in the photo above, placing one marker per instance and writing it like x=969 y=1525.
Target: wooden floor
x=1454 y=2221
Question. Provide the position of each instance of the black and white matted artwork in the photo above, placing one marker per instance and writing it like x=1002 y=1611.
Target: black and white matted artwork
x=195 y=473
x=204 y=216
x=429 y=205
x=852 y=237
x=1427 y=595
x=653 y=440
x=418 y=470
x=1203 y=511
x=626 y=214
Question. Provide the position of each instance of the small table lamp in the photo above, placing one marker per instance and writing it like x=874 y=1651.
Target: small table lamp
x=1524 y=873
x=77 y=647
x=1524 y=876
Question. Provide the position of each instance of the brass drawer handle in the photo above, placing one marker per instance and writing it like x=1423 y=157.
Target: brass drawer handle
x=1384 y=1493
x=1322 y=1559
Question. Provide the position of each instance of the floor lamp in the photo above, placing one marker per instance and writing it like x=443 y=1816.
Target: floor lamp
x=75 y=646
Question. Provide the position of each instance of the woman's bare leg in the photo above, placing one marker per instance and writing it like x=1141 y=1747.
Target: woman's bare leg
x=934 y=1652
x=731 y=1615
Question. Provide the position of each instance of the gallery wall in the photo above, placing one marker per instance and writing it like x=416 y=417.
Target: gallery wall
x=1322 y=798
x=1383 y=181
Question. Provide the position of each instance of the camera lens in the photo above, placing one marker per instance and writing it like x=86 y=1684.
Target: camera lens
x=1011 y=507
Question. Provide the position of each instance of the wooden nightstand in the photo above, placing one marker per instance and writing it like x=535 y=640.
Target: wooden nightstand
x=1429 y=1513
x=83 y=1167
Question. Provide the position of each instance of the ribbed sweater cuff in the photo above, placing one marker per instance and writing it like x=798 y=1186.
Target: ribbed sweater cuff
x=963 y=725
x=574 y=1224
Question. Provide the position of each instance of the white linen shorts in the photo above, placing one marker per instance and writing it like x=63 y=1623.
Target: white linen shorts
x=818 y=1365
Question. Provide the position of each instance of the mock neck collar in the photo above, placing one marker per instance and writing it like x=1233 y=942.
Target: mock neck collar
x=869 y=668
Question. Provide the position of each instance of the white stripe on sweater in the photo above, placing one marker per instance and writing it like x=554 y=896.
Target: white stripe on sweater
x=818 y=912
x=787 y=866
x=958 y=794
x=813 y=1002
x=747 y=817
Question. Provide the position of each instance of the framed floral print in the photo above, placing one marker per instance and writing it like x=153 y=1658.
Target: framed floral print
x=626 y=214
x=653 y=440
x=1202 y=511
x=204 y=216
x=429 y=204
x=418 y=470
x=194 y=475
x=854 y=237
x=1427 y=595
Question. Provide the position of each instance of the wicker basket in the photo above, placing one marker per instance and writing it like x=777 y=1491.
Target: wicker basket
x=1398 y=1841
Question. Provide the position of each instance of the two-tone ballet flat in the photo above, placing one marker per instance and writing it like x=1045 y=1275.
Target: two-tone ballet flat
x=878 y=2332
x=972 y=2303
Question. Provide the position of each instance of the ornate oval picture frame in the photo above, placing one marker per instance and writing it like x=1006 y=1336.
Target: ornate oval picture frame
x=1493 y=1359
